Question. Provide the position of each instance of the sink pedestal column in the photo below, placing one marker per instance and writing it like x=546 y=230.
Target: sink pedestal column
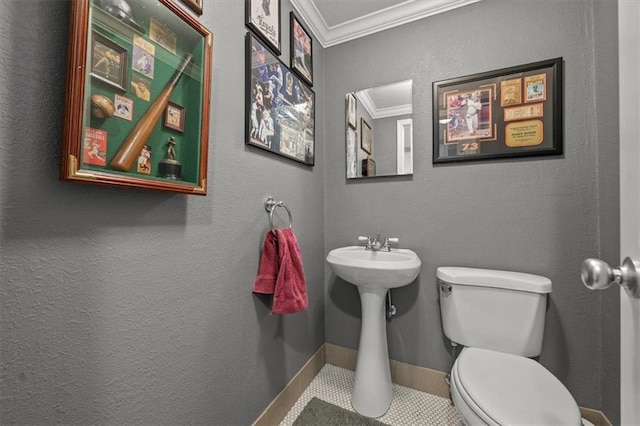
x=372 y=389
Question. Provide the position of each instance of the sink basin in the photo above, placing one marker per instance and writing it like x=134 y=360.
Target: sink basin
x=368 y=268
x=374 y=273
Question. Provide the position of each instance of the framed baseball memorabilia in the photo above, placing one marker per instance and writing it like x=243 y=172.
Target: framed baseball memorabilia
x=280 y=107
x=301 y=49
x=263 y=18
x=131 y=75
x=507 y=113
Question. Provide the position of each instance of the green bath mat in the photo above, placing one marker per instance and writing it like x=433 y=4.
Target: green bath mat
x=321 y=413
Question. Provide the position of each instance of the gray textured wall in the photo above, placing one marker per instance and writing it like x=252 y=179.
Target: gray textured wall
x=123 y=306
x=133 y=307
x=539 y=215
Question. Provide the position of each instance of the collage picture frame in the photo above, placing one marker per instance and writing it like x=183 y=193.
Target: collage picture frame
x=280 y=107
x=506 y=113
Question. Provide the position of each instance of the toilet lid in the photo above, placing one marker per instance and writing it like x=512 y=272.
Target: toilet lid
x=512 y=389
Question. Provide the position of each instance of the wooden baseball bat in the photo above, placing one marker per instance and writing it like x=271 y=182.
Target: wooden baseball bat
x=133 y=144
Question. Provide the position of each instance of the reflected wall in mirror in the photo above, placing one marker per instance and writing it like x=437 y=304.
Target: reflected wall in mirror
x=379 y=131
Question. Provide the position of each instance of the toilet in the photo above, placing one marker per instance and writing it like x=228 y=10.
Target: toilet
x=498 y=318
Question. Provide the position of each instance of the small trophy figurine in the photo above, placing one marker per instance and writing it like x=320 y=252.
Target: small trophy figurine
x=170 y=168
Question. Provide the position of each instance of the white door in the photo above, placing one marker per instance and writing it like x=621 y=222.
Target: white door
x=629 y=54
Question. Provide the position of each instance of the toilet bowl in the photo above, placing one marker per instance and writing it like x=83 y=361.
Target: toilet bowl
x=498 y=317
x=494 y=388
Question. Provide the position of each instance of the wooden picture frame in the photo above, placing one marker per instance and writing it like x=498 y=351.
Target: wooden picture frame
x=195 y=5
x=507 y=113
x=366 y=136
x=104 y=148
x=301 y=49
x=280 y=117
x=263 y=18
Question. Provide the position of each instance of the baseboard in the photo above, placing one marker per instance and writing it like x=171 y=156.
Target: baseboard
x=408 y=375
x=280 y=406
x=403 y=374
x=594 y=416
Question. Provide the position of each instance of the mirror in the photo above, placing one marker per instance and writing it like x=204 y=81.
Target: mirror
x=379 y=138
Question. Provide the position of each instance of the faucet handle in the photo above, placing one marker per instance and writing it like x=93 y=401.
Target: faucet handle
x=388 y=241
x=366 y=240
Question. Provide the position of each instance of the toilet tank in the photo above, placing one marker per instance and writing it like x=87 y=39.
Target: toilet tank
x=498 y=310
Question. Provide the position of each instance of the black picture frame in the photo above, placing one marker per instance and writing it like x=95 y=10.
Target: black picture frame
x=109 y=61
x=280 y=107
x=301 y=49
x=506 y=113
x=263 y=18
x=366 y=136
x=195 y=5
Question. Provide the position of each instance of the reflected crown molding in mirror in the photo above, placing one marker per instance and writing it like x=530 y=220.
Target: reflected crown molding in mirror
x=387 y=101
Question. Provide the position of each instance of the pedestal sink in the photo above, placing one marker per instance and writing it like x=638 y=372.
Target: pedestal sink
x=373 y=272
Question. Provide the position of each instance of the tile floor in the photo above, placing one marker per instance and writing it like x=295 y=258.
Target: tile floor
x=409 y=407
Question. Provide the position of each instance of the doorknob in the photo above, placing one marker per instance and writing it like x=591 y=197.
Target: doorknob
x=598 y=275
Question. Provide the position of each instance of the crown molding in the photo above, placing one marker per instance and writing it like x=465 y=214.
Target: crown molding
x=403 y=13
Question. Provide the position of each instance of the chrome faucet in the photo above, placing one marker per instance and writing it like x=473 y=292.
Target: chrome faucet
x=374 y=243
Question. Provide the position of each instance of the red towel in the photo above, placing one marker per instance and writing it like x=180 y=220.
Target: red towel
x=281 y=273
x=291 y=288
x=265 y=282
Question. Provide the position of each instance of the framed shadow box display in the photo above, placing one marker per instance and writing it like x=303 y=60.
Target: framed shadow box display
x=131 y=76
x=280 y=107
x=512 y=112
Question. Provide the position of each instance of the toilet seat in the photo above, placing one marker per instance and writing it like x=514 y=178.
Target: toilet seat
x=505 y=389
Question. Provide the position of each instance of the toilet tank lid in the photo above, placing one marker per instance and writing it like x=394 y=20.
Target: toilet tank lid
x=493 y=278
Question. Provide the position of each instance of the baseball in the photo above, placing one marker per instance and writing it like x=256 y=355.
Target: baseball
x=101 y=106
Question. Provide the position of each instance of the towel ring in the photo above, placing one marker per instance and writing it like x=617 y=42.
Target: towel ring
x=270 y=205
